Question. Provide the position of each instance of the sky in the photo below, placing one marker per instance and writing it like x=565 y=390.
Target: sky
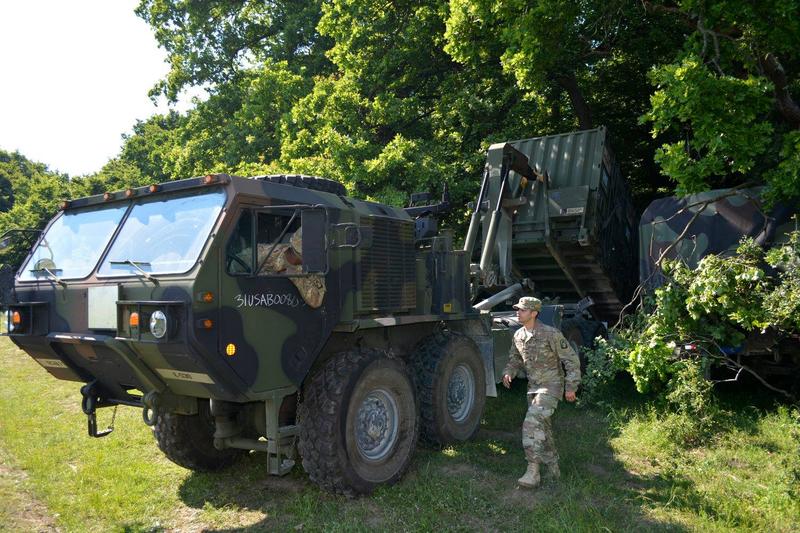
x=74 y=76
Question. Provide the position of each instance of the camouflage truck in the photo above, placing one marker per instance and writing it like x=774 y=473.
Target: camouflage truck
x=166 y=298
x=713 y=223
x=198 y=302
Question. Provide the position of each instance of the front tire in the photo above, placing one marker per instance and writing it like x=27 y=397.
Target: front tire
x=451 y=384
x=188 y=441
x=358 y=422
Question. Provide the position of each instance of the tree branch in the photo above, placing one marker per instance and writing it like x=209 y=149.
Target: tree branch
x=787 y=107
x=570 y=84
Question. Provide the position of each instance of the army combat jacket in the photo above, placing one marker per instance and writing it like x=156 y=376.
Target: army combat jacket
x=541 y=353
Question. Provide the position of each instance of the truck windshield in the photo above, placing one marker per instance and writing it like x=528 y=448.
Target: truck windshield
x=73 y=244
x=163 y=235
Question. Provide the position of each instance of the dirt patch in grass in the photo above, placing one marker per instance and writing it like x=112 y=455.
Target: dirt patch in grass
x=459 y=469
x=598 y=470
x=284 y=485
x=21 y=511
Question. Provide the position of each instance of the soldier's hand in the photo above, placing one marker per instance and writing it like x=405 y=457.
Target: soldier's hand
x=507 y=381
x=569 y=396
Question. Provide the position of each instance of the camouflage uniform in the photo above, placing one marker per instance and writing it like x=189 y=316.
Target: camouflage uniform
x=311 y=287
x=541 y=352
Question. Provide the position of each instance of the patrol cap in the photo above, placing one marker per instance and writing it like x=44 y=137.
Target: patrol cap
x=528 y=302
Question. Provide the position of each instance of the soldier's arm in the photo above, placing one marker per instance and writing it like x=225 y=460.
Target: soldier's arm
x=571 y=362
x=514 y=361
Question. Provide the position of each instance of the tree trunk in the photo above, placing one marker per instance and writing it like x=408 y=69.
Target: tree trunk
x=569 y=83
x=787 y=107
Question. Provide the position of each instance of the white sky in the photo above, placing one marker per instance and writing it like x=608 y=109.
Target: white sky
x=74 y=76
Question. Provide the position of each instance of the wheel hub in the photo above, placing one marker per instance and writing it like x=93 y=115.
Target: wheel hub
x=460 y=393
x=376 y=425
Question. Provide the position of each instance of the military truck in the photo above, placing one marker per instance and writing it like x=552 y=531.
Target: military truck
x=713 y=223
x=197 y=302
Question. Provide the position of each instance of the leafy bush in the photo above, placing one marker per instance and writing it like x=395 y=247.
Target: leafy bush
x=693 y=323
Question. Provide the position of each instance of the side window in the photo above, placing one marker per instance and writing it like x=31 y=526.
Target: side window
x=278 y=243
x=239 y=254
x=271 y=243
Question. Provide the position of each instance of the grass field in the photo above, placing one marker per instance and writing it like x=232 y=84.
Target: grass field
x=621 y=472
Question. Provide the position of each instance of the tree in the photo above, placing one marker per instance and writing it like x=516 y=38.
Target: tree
x=213 y=42
x=585 y=62
x=725 y=104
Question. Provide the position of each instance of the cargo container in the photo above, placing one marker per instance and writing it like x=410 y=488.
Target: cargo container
x=570 y=227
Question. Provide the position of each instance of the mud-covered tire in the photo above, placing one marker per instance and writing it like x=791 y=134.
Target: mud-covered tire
x=307 y=182
x=358 y=422
x=188 y=441
x=581 y=334
x=451 y=387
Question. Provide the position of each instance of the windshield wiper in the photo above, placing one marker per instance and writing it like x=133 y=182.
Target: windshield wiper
x=135 y=264
x=50 y=274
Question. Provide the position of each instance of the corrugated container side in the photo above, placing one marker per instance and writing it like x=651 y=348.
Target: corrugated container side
x=590 y=217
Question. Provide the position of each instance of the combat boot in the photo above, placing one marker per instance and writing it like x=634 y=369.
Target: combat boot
x=531 y=478
x=552 y=471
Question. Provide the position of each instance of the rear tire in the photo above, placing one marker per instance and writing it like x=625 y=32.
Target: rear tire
x=358 y=422
x=451 y=384
x=188 y=441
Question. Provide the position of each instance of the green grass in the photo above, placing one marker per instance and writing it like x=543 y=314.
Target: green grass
x=620 y=470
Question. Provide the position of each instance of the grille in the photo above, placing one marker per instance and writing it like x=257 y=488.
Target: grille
x=387 y=266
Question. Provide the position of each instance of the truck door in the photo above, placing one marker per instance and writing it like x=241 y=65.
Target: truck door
x=274 y=294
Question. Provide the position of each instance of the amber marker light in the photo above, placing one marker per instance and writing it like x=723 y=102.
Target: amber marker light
x=208 y=323
x=154 y=188
x=107 y=196
x=129 y=193
x=133 y=321
x=209 y=179
x=208 y=297
x=64 y=205
x=16 y=319
x=230 y=350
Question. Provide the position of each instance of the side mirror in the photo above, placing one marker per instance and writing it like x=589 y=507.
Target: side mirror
x=315 y=253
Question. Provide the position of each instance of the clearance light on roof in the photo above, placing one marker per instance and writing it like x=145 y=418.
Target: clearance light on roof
x=155 y=188
x=209 y=179
x=64 y=205
x=107 y=196
x=129 y=193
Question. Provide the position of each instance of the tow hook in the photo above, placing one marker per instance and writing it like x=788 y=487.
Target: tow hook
x=150 y=412
x=91 y=401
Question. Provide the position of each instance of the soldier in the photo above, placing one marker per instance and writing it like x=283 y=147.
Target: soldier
x=288 y=259
x=540 y=350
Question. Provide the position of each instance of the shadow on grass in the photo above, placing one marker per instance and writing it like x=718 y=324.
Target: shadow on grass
x=472 y=486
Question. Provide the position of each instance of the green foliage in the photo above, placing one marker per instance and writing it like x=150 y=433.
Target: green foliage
x=213 y=42
x=713 y=308
x=782 y=304
x=726 y=102
x=725 y=115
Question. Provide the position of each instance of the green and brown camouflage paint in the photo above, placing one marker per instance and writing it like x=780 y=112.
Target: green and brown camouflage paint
x=376 y=279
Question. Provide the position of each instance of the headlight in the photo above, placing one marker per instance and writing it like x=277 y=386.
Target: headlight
x=158 y=324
